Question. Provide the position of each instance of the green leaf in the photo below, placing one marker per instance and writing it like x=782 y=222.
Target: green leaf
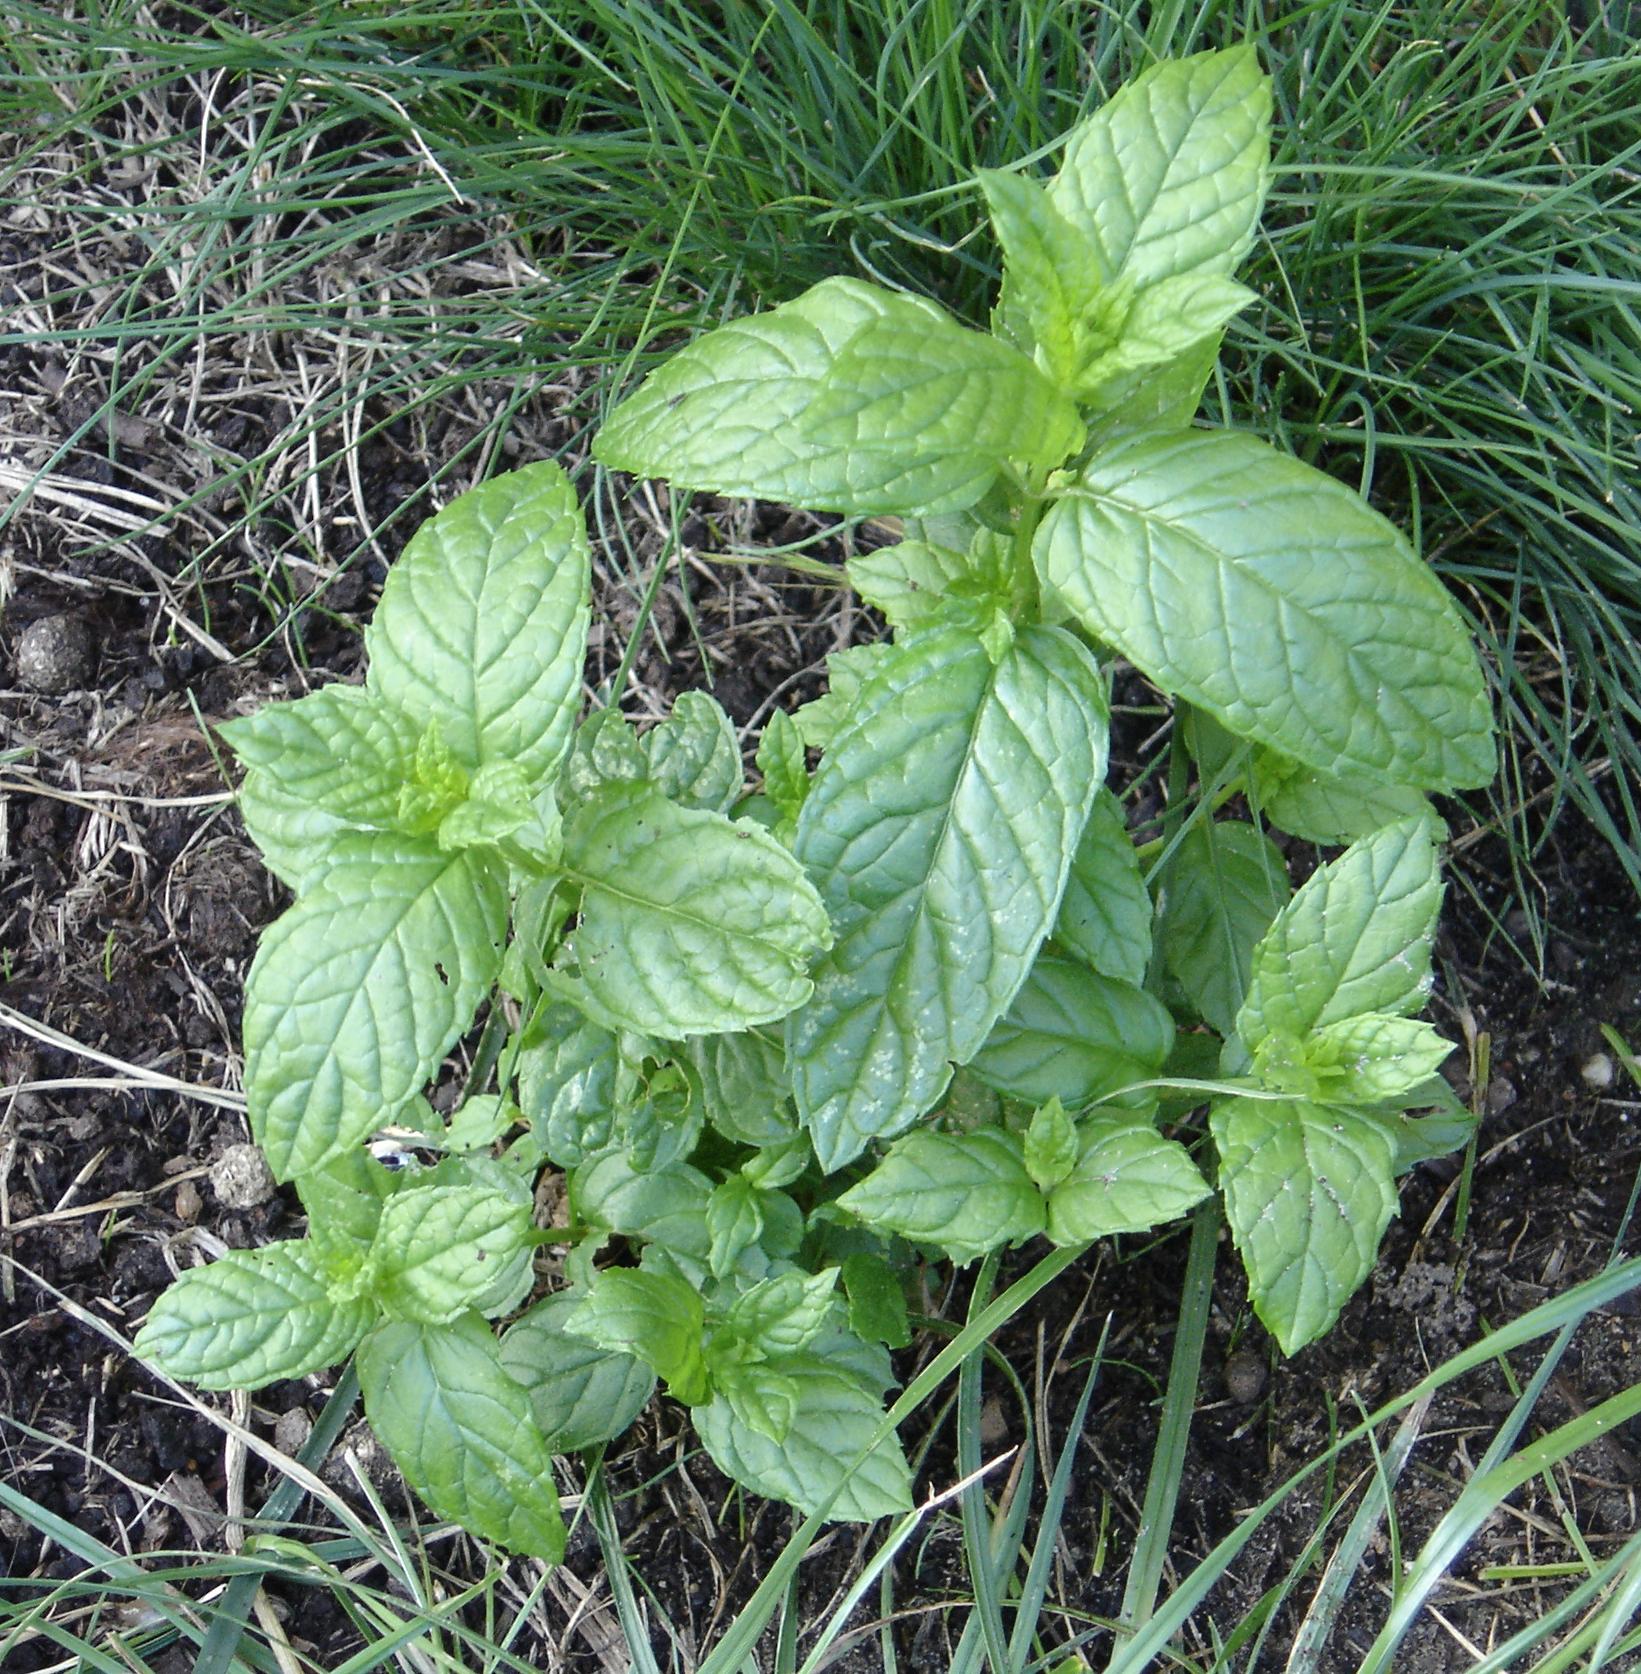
x=786 y=772
x=1277 y=599
x=344 y=1204
x=604 y=751
x=652 y=1316
x=689 y=922
x=877 y=1300
x=566 y=1077
x=1222 y=888
x=1321 y=808
x=1355 y=939
x=666 y=1205
x=480 y=1122
x=1051 y=271
x=1163 y=397
x=847 y=672
x=359 y=990
x=743 y=1086
x=581 y=1394
x=462 y=1432
x=911 y=582
x=498 y=804
x=1051 y=1145
x=1169 y=176
x=329 y=763
x=940 y=830
x=1105 y=915
x=693 y=755
x=1309 y=1192
x=782 y=1315
x=250 y=1317
x=734 y=1223
x=917 y=419
x=438 y=1249
x=779 y=1164
x=761 y=1398
x=1374 y=1058
x=964 y=1193
x=839 y=1381
x=482 y=625
x=1127 y=1178
x=1156 y=327
x=1074 y=1036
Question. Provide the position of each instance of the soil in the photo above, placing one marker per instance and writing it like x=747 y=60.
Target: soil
x=130 y=902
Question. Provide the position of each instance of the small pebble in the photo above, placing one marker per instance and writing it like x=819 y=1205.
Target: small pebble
x=1597 y=1072
x=241 y=1178
x=187 y=1203
x=1245 y=1376
x=1501 y=1094
x=291 y=1431
x=54 y=655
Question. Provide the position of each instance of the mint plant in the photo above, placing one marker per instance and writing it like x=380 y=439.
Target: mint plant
x=924 y=998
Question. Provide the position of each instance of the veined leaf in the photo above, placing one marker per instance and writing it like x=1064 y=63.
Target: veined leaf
x=438 y=1249
x=1374 y=1058
x=482 y=625
x=1222 y=887
x=786 y=772
x=667 y=1206
x=580 y=1394
x=462 y=1431
x=1169 y=175
x=918 y=420
x=1127 y=1178
x=1355 y=939
x=840 y=1382
x=250 y=1317
x=911 y=582
x=690 y=922
x=1277 y=599
x=782 y=1315
x=847 y=672
x=1074 y=1035
x=940 y=829
x=965 y=1193
x=693 y=754
x=1321 y=808
x=360 y=989
x=566 y=1076
x=1105 y=915
x=1309 y=1191
x=332 y=762
x=1159 y=325
x=743 y=1086
x=652 y=1316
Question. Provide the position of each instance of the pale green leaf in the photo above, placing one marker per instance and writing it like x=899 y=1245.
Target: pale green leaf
x=911 y=582
x=1105 y=915
x=689 y=922
x=1355 y=939
x=1051 y=1145
x=1127 y=1178
x=482 y=625
x=1074 y=1035
x=782 y=1315
x=1169 y=175
x=743 y=1086
x=462 y=1432
x=651 y=1316
x=438 y=1249
x=665 y=1205
x=840 y=1381
x=360 y=989
x=1242 y=580
x=1222 y=887
x=940 y=830
x=604 y=751
x=785 y=770
x=1309 y=1192
x=762 y=1399
x=734 y=1223
x=1374 y=1058
x=1163 y=397
x=1321 y=808
x=329 y=763
x=964 y=1193
x=566 y=1078
x=250 y=1317
x=694 y=756
x=580 y=1394
x=763 y=406
x=344 y=1203
x=480 y=1122
x=1051 y=271
x=1156 y=327
x=498 y=804
x=847 y=672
